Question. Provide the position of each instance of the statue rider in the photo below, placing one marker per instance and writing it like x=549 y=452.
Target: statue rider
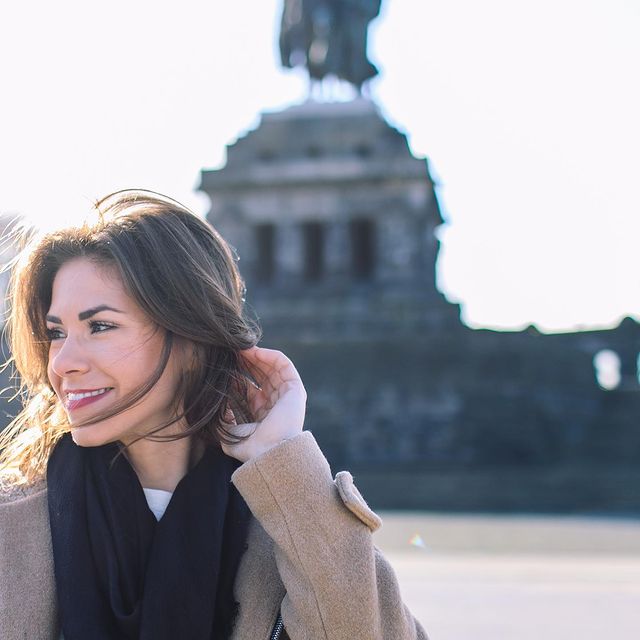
x=329 y=37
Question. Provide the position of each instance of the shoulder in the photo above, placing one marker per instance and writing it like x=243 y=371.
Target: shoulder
x=25 y=539
x=21 y=494
x=20 y=505
x=27 y=579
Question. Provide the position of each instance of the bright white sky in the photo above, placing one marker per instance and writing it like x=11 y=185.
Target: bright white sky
x=528 y=112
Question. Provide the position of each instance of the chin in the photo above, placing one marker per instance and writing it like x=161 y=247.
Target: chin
x=89 y=436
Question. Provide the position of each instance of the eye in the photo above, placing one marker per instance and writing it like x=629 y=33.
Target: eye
x=97 y=326
x=54 y=334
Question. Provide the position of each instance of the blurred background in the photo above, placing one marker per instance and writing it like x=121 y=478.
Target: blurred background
x=434 y=205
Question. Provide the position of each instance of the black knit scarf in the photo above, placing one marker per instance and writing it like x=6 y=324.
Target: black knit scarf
x=119 y=573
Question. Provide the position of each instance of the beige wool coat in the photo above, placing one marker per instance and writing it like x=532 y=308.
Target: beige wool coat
x=310 y=554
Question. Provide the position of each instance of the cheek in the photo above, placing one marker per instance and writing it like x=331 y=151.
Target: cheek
x=120 y=361
x=170 y=380
x=134 y=365
x=54 y=380
x=132 y=368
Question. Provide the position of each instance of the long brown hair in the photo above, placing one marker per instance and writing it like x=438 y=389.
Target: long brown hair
x=181 y=273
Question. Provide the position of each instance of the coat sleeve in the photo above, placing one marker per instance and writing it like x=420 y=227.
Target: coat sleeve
x=339 y=586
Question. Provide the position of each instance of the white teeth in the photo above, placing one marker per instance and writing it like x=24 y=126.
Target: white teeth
x=71 y=397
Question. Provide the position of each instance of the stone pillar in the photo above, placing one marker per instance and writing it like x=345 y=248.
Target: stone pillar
x=397 y=244
x=289 y=253
x=337 y=251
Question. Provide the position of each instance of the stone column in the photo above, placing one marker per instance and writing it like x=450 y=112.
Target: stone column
x=397 y=245
x=337 y=251
x=289 y=253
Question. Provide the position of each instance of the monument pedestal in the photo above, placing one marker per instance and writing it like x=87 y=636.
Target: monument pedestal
x=334 y=222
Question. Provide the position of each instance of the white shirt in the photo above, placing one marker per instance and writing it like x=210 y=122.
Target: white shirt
x=157 y=499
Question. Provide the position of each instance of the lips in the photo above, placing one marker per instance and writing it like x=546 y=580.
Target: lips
x=77 y=398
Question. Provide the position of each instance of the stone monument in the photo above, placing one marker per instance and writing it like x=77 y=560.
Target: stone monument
x=334 y=221
x=325 y=202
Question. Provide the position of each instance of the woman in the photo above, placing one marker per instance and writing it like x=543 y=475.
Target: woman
x=158 y=483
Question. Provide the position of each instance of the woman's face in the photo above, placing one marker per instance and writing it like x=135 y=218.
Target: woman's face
x=103 y=347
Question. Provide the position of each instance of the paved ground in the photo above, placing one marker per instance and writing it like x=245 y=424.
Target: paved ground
x=518 y=578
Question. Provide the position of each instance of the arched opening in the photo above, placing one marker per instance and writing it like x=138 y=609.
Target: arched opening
x=265 y=245
x=362 y=233
x=607 y=368
x=313 y=233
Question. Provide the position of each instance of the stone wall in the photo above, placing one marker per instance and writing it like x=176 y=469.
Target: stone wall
x=334 y=221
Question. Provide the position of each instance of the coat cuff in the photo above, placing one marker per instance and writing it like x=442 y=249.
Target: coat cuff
x=295 y=477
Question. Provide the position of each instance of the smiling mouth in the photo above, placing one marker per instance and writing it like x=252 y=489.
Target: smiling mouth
x=86 y=394
x=77 y=400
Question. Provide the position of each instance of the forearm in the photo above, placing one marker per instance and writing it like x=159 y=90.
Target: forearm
x=338 y=585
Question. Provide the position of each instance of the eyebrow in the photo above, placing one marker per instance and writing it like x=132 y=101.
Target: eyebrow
x=84 y=315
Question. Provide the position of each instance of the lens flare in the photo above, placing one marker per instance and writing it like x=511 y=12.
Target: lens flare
x=417 y=541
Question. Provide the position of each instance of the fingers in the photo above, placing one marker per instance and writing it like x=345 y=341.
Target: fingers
x=276 y=397
x=271 y=363
x=229 y=417
x=277 y=379
x=269 y=357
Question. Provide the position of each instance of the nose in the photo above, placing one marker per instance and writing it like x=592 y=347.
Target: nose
x=68 y=358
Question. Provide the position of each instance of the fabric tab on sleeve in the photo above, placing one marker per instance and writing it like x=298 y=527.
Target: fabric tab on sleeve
x=354 y=501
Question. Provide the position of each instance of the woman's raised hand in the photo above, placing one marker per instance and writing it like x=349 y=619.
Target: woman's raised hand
x=278 y=404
